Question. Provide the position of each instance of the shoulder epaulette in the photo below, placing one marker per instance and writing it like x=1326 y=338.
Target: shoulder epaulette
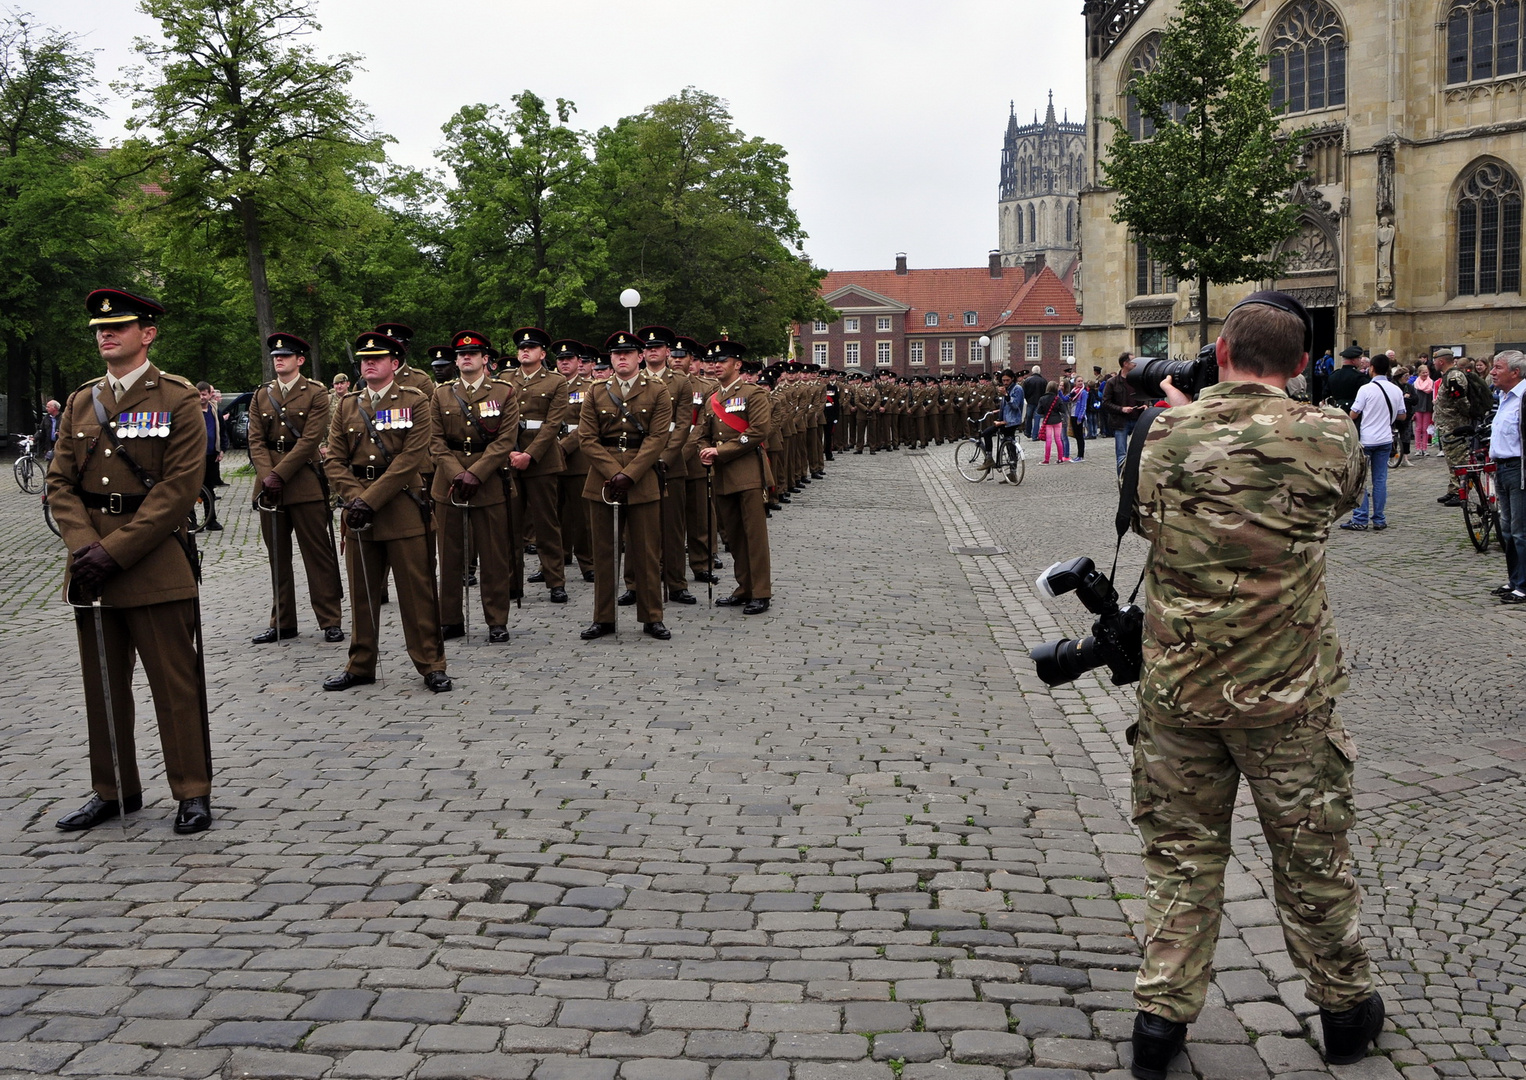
x=87 y=383
x=179 y=379
x=411 y=390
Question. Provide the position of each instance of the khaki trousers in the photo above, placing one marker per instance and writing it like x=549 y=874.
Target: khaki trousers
x=310 y=522
x=408 y=558
x=163 y=636
x=572 y=513
x=746 y=524
x=641 y=524
x=495 y=569
x=538 y=514
x=701 y=521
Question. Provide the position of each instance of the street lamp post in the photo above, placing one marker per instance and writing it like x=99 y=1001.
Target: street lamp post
x=630 y=298
x=985 y=351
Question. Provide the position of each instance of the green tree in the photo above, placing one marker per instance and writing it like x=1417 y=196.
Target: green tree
x=525 y=239
x=1208 y=193
x=699 y=221
x=248 y=122
x=58 y=227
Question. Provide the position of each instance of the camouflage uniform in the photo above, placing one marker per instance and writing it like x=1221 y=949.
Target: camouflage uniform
x=1237 y=494
x=1451 y=413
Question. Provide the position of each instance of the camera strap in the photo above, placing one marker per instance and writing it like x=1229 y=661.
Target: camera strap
x=1129 y=489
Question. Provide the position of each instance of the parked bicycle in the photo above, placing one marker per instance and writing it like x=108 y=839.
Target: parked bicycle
x=972 y=460
x=30 y=468
x=1475 y=483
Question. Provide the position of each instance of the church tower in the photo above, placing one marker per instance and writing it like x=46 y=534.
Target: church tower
x=1042 y=173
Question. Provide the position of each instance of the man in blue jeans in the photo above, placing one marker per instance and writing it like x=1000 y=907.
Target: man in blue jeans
x=1509 y=482
x=1122 y=406
x=1378 y=408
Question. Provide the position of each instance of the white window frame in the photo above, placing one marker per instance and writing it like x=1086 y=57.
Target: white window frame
x=930 y=319
x=916 y=353
x=1068 y=346
x=819 y=352
x=850 y=354
x=1031 y=346
x=977 y=354
x=882 y=354
x=850 y=324
x=882 y=322
x=971 y=318
x=818 y=327
x=946 y=353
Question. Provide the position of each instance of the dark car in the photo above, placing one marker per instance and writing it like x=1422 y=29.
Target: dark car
x=235 y=416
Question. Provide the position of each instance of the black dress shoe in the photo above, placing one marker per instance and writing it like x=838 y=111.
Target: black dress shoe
x=587 y=575
x=471 y=581
x=683 y=596
x=265 y=637
x=718 y=564
x=452 y=630
x=860 y=450
x=213 y=526
x=1156 y=1042
x=530 y=549
x=627 y=598
x=194 y=815
x=733 y=601
x=333 y=633
x=1348 y=1034
x=497 y=635
x=437 y=681
x=96 y=811
x=819 y=475
x=755 y=607
x=597 y=630
x=708 y=579
x=344 y=680
x=656 y=630
x=785 y=499
x=558 y=595
x=537 y=578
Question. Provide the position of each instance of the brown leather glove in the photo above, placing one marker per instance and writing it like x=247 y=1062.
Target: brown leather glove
x=273 y=483
x=357 y=514
x=465 y=483
x=93 y=567
x=620 y=485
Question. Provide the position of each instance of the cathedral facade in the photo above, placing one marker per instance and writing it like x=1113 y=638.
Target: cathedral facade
x=1410 y=235
x=1043 y=168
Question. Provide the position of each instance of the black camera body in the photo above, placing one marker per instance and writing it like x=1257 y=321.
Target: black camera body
x=1188 y=376
x=1117 y=636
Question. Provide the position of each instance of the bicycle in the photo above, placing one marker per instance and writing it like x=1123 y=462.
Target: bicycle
x=970 y=453
x=1475 y=484
x=29 y=469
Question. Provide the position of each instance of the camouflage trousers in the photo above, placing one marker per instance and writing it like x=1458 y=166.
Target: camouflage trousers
x=1185 y=781
x=1455 y=447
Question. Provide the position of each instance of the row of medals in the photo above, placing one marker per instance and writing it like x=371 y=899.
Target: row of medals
x=143 y=425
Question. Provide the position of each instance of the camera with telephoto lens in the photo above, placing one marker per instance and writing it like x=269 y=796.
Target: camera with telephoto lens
x=1188 y=376
x=1117 y=635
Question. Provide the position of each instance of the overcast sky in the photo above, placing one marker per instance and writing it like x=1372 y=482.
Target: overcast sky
x=892 y=111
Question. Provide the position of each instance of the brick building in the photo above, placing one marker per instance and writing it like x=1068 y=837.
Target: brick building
x=930 y=322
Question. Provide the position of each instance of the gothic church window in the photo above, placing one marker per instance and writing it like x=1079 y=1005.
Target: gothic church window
x=1033 y=232
x=1307 y=57
x=1146 y=56
x=1484 y=40
x=1070 y=224
x=1149 y=278
x=1489 y=231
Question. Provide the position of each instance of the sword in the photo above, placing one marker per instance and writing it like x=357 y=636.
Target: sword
x=710 y=535
x=111 y=716
x=371 y=598
x=614 y=505
x=275 y=553
x=466 y=565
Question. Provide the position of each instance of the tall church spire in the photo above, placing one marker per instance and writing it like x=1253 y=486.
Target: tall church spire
x=1049 y=116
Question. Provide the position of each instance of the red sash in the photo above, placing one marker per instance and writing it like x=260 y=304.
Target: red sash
x=733 y=422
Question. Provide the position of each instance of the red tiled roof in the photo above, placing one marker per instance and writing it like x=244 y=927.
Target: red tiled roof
x=949 y=291
x=1044 y=290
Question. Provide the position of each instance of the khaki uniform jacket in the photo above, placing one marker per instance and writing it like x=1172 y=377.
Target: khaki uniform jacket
x=739 y=466
x=457 y=444
x=867 y=398
x=542 y=412
x=675 y=454
x=650 y=405
x=154 y=567
x=578 y=389
x=396 y=488
x=272 y=448
x=700 y=389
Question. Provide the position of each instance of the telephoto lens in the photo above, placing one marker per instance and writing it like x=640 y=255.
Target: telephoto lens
x=1188 y=376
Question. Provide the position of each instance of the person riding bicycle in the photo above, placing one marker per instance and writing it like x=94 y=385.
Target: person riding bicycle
x=1008 y=422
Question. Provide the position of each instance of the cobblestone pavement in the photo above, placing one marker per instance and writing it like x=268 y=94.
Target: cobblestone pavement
x=851 y=839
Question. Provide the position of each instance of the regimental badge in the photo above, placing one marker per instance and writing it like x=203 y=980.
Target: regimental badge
x=488 y=407
x=105 y=305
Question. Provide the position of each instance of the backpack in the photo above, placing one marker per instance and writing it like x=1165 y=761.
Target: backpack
x=1480 y=399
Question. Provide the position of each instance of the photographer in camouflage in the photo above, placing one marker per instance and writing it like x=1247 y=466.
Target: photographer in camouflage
x=1237 y=494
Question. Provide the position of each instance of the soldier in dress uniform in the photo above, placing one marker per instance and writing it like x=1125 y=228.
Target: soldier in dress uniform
x=688 y=356
x=378 y=445
x=126 y=471
x=572 y=509
x=624 y=429
x=539 y=461
x=656 y=347
x=442 y=362
x=736 y=421
x=407 y=374
x=288 y=423
x=476 y=425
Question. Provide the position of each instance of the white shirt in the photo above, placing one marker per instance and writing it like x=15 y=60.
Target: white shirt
x=1374 y=424
x=119 y=387
x=1505 y=435
x=377 y=395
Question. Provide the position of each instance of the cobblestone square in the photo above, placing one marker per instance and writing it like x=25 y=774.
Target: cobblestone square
x=854 y=838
